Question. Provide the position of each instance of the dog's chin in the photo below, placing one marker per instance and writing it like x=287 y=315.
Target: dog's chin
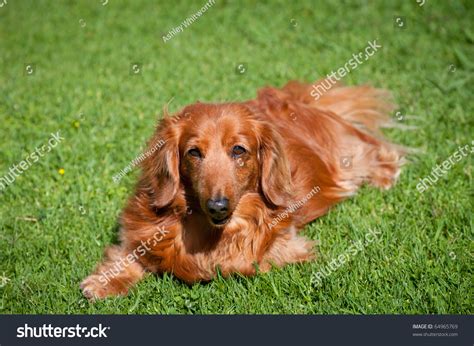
x=220 y=223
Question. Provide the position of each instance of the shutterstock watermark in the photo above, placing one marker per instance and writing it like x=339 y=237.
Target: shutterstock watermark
x=136 y=161
x=293 y=207
x=188 y=21
x=351 y=64
x=438 y=171
x=33 y=157
x=357 y=247
x=132 y=257
x=48 y=331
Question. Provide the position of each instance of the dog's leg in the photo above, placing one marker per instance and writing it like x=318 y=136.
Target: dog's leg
x=114 y=276
x=290 y=248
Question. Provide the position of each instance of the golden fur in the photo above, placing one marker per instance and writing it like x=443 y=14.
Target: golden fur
x=263 y=156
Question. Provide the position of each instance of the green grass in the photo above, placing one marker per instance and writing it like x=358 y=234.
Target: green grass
x=53 y=227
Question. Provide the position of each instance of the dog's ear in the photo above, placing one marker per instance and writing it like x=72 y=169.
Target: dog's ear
x=275 y=172
x=161 y=165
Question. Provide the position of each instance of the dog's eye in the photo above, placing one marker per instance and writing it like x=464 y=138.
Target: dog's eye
x=238 y=151
x=195 y=153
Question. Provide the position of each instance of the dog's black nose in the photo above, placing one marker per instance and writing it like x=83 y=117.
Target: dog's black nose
x=218 y=207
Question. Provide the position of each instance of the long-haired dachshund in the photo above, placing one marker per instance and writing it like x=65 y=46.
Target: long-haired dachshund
x=232 y=184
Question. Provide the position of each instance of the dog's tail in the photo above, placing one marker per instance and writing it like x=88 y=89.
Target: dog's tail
x=363 y=106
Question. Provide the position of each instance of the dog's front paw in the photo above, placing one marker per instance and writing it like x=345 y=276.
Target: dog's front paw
x=96 y=287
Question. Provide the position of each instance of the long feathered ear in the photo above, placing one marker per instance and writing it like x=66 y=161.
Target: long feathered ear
x=274 y=167
x=161 y=166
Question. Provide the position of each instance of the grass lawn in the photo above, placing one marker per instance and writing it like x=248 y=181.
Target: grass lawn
x=68 y=66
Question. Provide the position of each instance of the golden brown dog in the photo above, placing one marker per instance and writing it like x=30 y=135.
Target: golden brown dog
x=234 y=183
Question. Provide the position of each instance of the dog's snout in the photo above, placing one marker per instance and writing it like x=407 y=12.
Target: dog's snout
x=218 y=207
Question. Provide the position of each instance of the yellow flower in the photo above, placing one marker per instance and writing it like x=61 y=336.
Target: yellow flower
x=77 y=124
x=61 y=171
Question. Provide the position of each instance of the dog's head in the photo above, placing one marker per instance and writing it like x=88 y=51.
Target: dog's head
x=216 y=154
